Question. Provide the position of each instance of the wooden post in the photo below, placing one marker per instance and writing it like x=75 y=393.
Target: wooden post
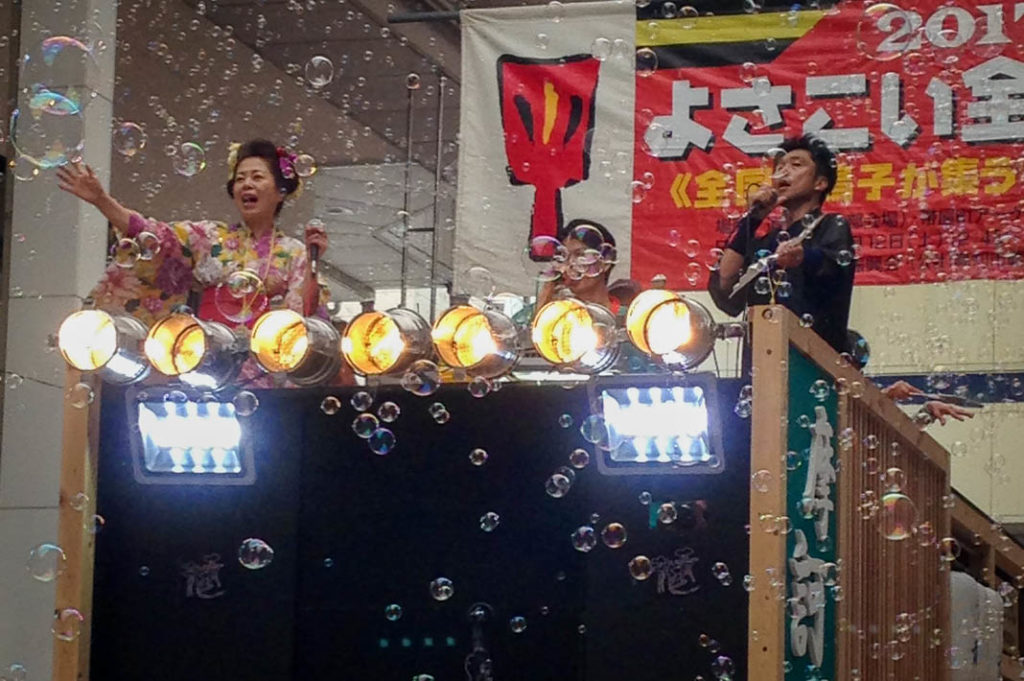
x=75 y=533
x=766 y=637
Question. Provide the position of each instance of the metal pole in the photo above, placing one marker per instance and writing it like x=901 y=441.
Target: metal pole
x=442 y=83
x=406 y=196
x=417 y=17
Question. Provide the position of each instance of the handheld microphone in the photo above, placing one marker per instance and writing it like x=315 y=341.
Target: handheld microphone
x=314 y=258
x=314 y=249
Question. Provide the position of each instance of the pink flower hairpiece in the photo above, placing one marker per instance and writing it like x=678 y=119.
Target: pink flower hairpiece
x=286 y=160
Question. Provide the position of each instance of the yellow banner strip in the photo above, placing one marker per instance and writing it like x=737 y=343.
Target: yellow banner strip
x=736 y=28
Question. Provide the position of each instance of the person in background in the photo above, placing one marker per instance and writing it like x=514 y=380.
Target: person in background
x=937 y=410
x=204 y=256
x=818 y=269
x=585 y=274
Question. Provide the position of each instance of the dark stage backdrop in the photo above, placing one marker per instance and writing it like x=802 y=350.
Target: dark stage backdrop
x=354 y=532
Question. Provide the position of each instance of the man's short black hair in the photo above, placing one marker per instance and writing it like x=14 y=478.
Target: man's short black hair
x=824 y=160
x=589 y=238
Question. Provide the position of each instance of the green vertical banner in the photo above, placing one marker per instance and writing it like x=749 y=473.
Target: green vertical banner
x=811 y=501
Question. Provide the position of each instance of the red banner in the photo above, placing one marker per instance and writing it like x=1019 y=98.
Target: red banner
x=924 y=107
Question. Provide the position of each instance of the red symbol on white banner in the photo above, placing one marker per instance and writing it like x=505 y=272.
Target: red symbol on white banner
x=547 y=111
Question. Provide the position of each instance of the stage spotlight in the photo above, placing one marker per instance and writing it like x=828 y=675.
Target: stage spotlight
x=93 y=340
x=576 y=336
x=676 y=330
x=483 y=342
x=203 y=354
x=377 y=343
x=305 y=348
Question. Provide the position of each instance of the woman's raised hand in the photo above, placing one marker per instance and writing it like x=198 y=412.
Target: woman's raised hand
x=79 y=179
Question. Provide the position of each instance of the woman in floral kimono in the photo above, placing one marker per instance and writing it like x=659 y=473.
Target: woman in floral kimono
x=238 y=269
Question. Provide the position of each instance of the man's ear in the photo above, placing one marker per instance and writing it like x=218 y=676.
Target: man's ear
x=820 y=183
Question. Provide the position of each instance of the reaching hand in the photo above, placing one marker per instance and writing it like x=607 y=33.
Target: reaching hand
x=900 y=390
x=80 y=180
x=941 y=410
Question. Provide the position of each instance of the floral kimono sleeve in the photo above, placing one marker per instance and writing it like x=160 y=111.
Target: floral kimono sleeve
x=182 y=246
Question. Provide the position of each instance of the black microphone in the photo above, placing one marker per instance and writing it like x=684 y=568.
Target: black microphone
x=314 y=249
x=314 y=258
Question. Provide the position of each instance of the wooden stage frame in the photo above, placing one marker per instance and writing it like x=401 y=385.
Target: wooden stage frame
x=880 y=578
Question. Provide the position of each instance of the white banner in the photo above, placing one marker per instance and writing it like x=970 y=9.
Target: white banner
x=546 y=134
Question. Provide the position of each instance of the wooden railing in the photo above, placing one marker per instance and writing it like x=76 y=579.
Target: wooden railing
x=891 y=620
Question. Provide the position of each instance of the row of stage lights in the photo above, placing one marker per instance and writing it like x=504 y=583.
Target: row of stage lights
x=569 y=334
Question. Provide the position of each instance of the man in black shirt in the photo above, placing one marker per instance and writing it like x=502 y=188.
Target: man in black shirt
x=818 y=268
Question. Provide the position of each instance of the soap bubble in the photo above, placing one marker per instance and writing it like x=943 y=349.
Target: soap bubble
x=80 y=395
x=613 y=535
x=601 y=49
x=442 y=589
x=388 y=412
x=478 y=281
x=95 y=524
x=16 y=672
x=667 y=513
x=47 y=129
x=899 y=516
x=125 y=253
x=584 y=538
x=721 y=572
x=646 y=62
x=246 y=403
x=820 y=390
x=45 y=562
x=423 y=378
x=723 y=668
x=365 y=425
x=412 y=81
x=241 y=297
x=149 y=245
x=596 y=430
x=565 y=421
x=67 y=624
x=330 y=405
x=479 y=386
x=381 y=441
x=190 y=160
x=129 y=139
x=579 y=458
x=478 y=457
x=517 y=624
x=361 y=400
x=949 y=549
x=319 y=71
x=489 y=521
x=874 y=29
x=304 y=165
x=761 y=481
x=255 y=554
x=393 y=612
x=640 y=568
x=558 y=485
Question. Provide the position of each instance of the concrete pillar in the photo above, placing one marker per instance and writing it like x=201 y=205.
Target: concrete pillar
x=56 y=251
